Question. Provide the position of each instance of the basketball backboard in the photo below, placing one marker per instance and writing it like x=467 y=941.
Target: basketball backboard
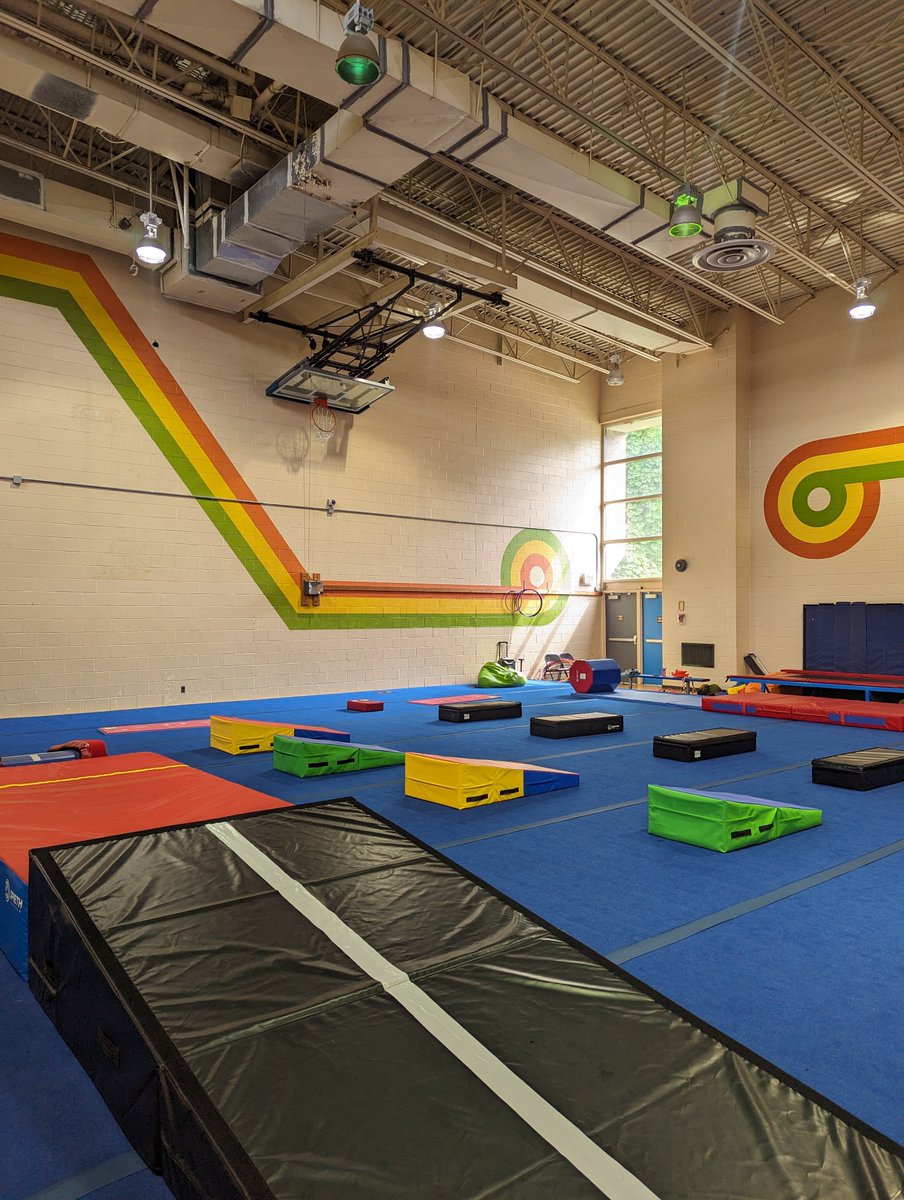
x=305 y=384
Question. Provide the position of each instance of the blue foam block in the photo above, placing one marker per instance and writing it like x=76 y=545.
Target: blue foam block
x=14 y=919
x=538 y=781
x=24 y=760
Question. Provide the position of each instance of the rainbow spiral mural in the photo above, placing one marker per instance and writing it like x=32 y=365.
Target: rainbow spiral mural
x=823 y=497
x=71 y=283
x=535 y=558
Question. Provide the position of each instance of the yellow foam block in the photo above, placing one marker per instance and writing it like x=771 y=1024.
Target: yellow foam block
x=233 y=735
x=461 y=783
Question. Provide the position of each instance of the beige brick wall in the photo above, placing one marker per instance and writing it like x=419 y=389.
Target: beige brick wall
x=705 y=519
x=112 y=600
x=823 y=375
x=730 y=415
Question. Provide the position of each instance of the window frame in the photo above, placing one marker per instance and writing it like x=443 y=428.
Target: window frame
x=626 y=500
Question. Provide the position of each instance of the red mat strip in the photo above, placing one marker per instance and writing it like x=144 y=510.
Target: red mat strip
x=819 y=709
x=55 y=803
x=150 y=728
x=455 y=699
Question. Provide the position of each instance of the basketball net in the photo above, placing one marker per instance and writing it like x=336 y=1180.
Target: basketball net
x=323 y=419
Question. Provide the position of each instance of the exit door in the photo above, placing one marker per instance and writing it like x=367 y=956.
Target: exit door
x=652 y=633
x=621 y=629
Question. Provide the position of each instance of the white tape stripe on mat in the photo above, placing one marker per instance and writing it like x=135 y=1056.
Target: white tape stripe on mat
x=585 y=1155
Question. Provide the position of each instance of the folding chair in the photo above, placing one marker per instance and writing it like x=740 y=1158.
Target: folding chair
x=557 y=666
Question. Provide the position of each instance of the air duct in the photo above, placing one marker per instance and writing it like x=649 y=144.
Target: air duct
x=320 y=183
x=427 y=108
x=421 y=102
x=122 y=111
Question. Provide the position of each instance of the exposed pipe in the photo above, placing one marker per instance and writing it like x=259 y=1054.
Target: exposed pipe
x=18 y=480
x=181 y=194
x=272 y=89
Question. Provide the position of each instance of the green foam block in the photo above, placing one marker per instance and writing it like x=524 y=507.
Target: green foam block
x=296 y=756
x=721 y=820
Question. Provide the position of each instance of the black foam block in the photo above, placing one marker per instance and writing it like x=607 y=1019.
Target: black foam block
x=480 y=710
x=704 y=743
x=860 y=770
x=571 y=725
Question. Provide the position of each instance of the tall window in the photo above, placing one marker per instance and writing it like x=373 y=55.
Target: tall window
x=632 y=499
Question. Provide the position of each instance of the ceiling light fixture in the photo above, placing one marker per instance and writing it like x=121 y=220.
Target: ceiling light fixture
x=433 y=328
x=358 y=60
x=150 y=251
x=687 y=214
x=862 y=307
x=616 y=377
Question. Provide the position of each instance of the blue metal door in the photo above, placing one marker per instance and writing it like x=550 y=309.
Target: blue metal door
x=652 y=633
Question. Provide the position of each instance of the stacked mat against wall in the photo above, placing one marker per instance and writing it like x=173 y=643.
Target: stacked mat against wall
x=53 y=803
x=309 y=1003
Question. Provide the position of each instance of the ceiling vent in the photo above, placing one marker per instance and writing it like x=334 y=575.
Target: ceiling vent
x=733 y=209
x=25 y=187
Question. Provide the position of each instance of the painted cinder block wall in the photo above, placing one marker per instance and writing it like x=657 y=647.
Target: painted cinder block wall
x=705 y=406
x=704 y=400
x=111 y=599
x=824 y=376
x=730 y=416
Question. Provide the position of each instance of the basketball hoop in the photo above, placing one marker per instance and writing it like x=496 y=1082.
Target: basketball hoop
x=323 y=419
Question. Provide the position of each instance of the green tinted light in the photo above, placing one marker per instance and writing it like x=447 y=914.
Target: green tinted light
x=358 y=61
x=685 y=229
x=354 y=68
x=684 y=199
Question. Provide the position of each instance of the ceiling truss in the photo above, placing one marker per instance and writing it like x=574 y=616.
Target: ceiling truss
x=633 y=86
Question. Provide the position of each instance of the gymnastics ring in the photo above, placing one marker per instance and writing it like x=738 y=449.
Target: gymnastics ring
x=525 y=602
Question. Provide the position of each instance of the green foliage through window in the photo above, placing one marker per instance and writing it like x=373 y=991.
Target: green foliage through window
x=632 y=468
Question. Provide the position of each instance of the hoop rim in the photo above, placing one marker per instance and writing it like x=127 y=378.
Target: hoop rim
x=322 y=416
x=514 y=601
x=519 y=602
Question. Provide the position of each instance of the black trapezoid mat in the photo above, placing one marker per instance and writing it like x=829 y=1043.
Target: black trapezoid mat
x=211 y=980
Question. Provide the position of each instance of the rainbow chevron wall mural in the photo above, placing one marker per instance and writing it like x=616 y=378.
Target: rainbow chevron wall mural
x=72 y=283
x=823 y=497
